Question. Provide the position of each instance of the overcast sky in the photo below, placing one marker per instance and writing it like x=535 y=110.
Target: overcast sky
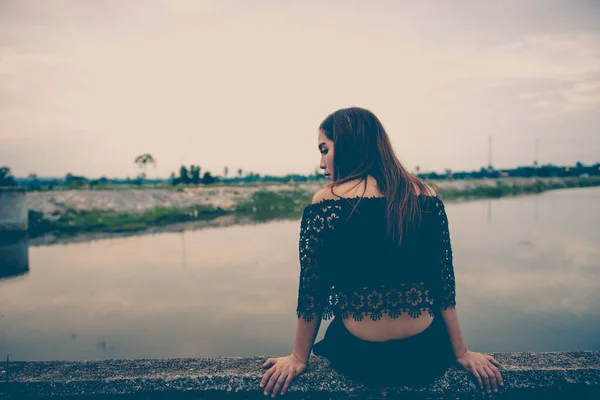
x=86 y=86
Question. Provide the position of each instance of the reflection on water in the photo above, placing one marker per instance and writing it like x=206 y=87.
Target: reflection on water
x=14 y=255
x=527 y=269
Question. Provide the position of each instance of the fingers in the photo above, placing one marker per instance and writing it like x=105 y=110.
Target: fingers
x=493 y=361
x=475 y=373
x=498 y=375
x=492 y=376
x=266 y=377
x=272 y=381
x=483 y=368
x=282 y=378
x=269 y=361
x=481 y=376
x=286 y=385
x=495 y=364
x=278 y=378
x=485 y=378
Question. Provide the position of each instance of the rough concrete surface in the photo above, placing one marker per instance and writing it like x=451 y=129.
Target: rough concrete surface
x=13 y=211
x=527 y=375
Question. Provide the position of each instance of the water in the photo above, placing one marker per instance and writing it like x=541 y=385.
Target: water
x=527 y=270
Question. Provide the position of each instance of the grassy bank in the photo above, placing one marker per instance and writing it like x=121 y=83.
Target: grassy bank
x=504 y=188
x=74 y=222
x=263 y=205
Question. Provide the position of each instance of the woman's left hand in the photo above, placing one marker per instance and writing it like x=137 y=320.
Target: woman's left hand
x=484 y=368
x=282 y=372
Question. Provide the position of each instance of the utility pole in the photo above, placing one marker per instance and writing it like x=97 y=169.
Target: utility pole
x=535 y=161
x=489 y=152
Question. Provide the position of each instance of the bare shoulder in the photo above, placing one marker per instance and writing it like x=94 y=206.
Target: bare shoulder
x=323 y=193
x=425 y=191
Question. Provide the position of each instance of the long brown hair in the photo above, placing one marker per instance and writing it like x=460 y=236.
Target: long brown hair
x=362 y=148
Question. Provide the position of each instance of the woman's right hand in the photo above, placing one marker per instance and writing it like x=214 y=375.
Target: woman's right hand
x=484 y=368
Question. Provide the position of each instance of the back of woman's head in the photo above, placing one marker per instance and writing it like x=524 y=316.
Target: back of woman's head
x=362 y=148
x=359 y=139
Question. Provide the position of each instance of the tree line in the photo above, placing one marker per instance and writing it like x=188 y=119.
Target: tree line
x=193 y=175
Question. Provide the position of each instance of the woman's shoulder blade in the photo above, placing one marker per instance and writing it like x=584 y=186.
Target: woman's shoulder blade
x=323 y=193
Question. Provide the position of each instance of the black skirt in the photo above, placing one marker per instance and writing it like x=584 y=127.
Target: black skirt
x=412 y=361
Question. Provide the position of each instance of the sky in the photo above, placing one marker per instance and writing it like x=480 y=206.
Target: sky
x=86 y=86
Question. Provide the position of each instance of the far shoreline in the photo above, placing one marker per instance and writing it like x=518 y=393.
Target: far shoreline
x=260 y=205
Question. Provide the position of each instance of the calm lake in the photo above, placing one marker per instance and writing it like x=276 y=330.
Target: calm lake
x=527 y=271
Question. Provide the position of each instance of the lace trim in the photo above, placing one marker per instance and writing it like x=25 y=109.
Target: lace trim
x=413 y=299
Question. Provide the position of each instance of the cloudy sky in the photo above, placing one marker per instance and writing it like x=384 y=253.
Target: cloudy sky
x=86 y=86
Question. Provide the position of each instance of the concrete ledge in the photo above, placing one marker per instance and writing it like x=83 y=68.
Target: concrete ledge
x=527 y=375
x=13 y=210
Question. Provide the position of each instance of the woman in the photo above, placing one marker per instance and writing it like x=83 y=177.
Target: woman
x=375 y=253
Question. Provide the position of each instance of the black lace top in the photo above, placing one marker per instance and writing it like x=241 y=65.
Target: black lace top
x=349 y=269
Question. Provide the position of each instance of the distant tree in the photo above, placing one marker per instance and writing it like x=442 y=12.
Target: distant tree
x=139 y=180
x=448 y=173
x=207 y=179
x=184 y=177
x=434 y=175
x=74 y=181
x=195 y=174
x=33 y=182
x=6 y=179
x=240 y=172
x=548 y=170
x=225 y=172
x=174 y=179
x=99 y=182
x=143 y=160
x=417 y=170
x=579 y=164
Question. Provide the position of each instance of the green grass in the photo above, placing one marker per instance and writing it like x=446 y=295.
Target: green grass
x=74 y=222
x=266 y=205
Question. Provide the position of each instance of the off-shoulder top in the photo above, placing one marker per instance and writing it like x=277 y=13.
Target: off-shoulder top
x=349 y=269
